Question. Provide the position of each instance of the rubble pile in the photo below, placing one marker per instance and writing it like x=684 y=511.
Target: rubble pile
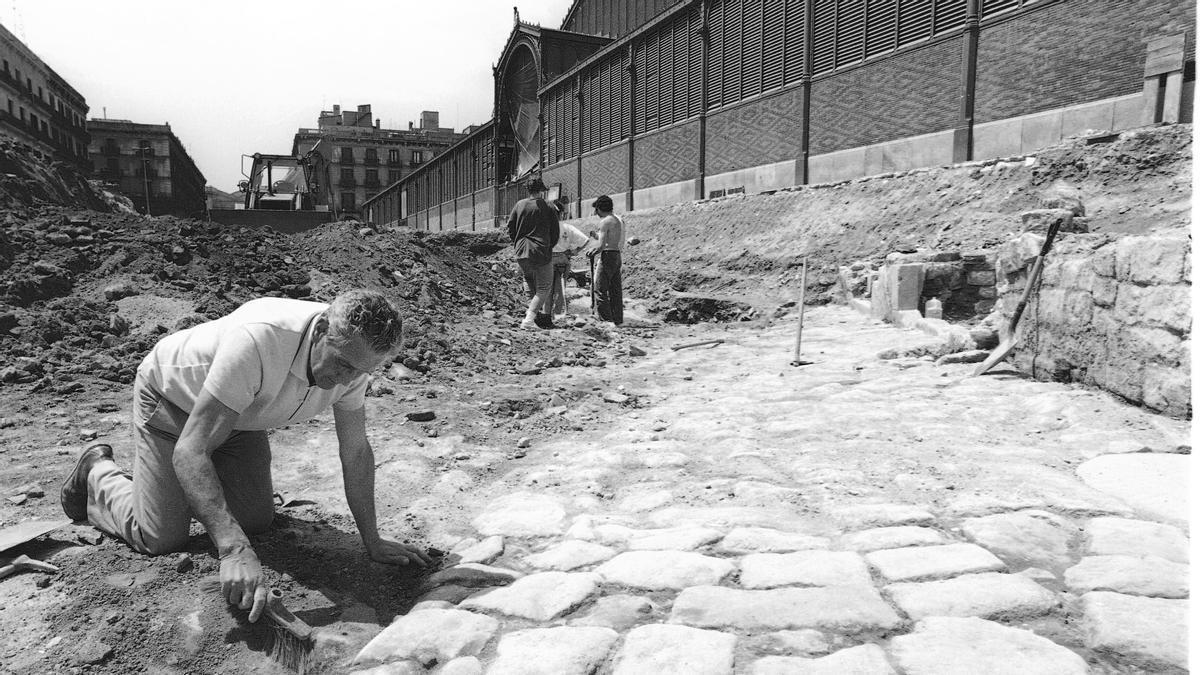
x=83 y=291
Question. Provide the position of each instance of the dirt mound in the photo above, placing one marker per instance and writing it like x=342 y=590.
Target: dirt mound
x=26 y=179
x=751 y=246
x=86 y=294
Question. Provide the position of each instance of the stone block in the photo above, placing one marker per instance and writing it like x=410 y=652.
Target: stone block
x=981 y=278
x=571 y=554
x=1104 y=261
x=561 y=650
x=864 y=515
x=675 y=650
x=1146 y=631
x=904 y=285
x=1131 y=575
x=805 y=568
x=522 y=514
x=656 y=570
x=849 y=609
x=1103 y=291
x=891 y=537
x=769 y=540
x=933 y=562
x=1124 y=536
x=540 y=597
x=1063 y=199
x=1152 y=259
x=1154 y=484
x=948 y=645
x=1168 y=390
x=989 y=596
x=1025 y=538
x=428 y=636
x=865 y=659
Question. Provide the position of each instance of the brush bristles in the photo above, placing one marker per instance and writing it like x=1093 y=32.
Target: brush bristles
x=288 y=650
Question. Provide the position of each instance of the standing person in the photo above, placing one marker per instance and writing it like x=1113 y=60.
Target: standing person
x=533 y=230
x=203 y=400
x=570 y=242
x=610 y=305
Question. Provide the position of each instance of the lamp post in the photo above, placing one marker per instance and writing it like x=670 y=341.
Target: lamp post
x=145 y=151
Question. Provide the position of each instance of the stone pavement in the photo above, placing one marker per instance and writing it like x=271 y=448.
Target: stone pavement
x=856 y=515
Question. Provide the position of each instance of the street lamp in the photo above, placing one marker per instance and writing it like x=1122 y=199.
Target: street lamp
x=145 y=152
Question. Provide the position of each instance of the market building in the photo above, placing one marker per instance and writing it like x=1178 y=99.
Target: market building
x=655 y=103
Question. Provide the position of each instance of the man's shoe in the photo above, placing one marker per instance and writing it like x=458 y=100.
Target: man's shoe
x=74 y=494
x=528 y=324
x=544 y=321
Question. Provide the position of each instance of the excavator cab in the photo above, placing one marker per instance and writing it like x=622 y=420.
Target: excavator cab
x=281 y=191
x=278 y=183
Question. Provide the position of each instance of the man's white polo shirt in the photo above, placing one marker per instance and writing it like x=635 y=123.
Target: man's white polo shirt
x=255 y=360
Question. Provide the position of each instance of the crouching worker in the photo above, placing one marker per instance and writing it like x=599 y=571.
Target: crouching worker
x=203 y=401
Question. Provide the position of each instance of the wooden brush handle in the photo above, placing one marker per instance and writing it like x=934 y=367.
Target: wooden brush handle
x=283 y=617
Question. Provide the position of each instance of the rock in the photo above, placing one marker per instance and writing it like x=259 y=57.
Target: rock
x=618 y=612
x=521 y=514
x=658 y=570
x=1149 y=576
x=562 y=650
x=932 y=562
x=891 y=537
x=806 y=568
x=846 y=609
x=989 y=595
x=768 y=540
x=421 y=416
x=1150 y=632
x=865 y=659
x=524 y=442
x=482 y=552
x=540 y=597
x=31 y=490
x=683 y=538
x=120 y=289
x=806 y=641
x=450 y=594
x=1153 y=483
x=463 y=665
x=470 y=575
x=943 y=645
x=675 y=650
x=636 y=351
x=429 y=636
x=1025 y=538
x=615 y=397
x=1039 y=220
x=184 y=563
x=1121 y=536
x=570 y=554
x=91 y=651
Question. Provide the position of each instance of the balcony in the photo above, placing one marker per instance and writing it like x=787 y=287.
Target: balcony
x=371 y=161
x=345 y=159
x=347 y=181
x=395 y=162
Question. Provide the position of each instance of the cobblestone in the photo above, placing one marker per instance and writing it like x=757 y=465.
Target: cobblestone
x=988 y=595
x=932 y=562
x=849 y=609
x=944 y=645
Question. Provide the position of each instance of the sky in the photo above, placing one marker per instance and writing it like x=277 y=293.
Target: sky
x=235 y=78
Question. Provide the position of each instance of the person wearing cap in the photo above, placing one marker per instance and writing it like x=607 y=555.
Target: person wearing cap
x=610 y=305
x=203 y=401
x=533 y=229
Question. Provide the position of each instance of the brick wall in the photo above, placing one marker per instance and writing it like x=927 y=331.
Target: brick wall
x=913 y=93
x=668 y=156
x=1065 y=53
x=761 y=132
x=606 y=172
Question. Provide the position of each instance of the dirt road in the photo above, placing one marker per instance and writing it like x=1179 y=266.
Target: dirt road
x=706 y=510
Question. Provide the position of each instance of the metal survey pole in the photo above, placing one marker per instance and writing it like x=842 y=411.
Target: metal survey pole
x=800 y=325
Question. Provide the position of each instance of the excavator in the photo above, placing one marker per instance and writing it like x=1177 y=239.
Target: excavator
x=287 y=193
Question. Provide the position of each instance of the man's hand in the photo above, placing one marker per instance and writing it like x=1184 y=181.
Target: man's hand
x=241 y=581
x=395 y=553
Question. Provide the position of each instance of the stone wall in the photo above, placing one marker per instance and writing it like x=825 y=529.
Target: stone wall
x=1111 y=311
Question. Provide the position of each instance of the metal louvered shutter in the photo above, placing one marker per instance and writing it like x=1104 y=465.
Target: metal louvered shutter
x=716 y=58
x=609 y=104
x=774 y=39
x=682 y=67
x=752 y=47
x=881 y=26
x=695 y=72
x=916 y=20
x=793 y=40
x=650 y=88
x=824 y=35
x=949 y=15
x=851 y=31
x=664 y=79
x=992 y=7
x=731 y=53
x=626 y=100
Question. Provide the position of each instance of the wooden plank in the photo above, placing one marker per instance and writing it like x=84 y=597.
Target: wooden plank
x=29 y=530
x=1173 y=97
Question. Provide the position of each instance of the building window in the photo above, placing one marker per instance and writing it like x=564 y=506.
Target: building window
x=348 y=201
x=393 y=175
x=373 y=177
x=347 y=177
x=347 y=155
x=393 y=156
x=113 y=167
x=372 y=156
x=416 y=157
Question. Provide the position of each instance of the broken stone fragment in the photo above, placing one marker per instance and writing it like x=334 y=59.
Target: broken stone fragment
x=636 y=351
x=184 y=563
x=469 y=575
x=615 y=397
x=421 y=416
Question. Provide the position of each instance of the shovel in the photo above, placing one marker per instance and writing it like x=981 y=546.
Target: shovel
x=1008 y=331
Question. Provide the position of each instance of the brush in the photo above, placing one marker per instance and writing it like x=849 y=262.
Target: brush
x=290 y=640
